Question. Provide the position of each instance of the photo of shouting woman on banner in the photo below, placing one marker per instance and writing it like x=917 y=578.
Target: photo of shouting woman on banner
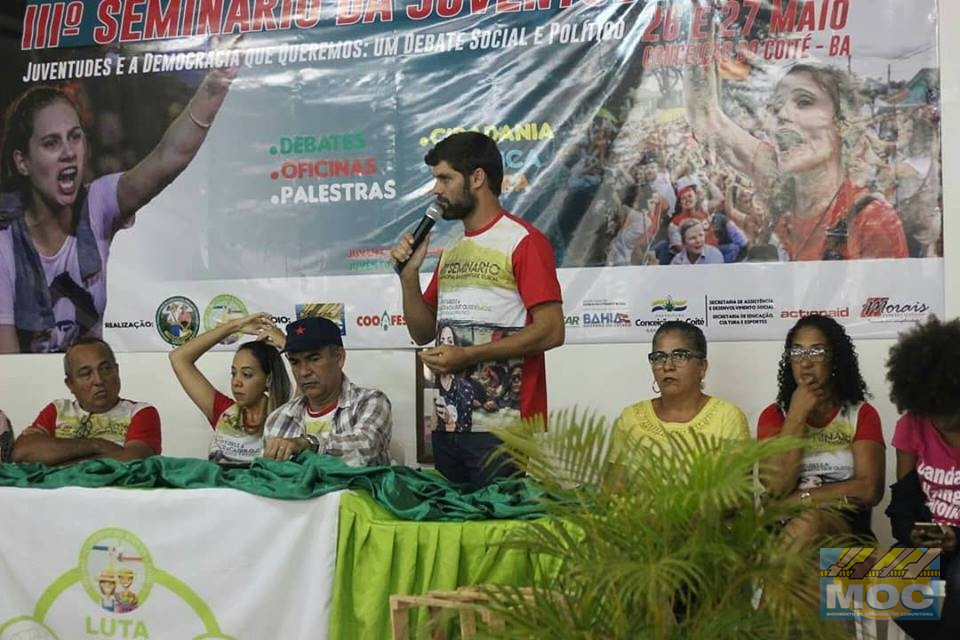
x=804 y=160
x=56 y=229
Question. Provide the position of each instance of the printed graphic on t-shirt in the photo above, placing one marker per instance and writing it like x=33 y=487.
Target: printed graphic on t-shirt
x=318 y=426
x=231 y=443
x=942 y=488
x=483 y=396
x=470 y=264
x=828 y=454
x=94 y=426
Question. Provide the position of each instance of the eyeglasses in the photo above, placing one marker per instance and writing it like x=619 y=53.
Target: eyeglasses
x=816 y=353
x=677 y=357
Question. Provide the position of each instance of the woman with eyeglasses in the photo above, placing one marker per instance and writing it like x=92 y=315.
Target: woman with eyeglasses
x=822 y=399
x=679 y=364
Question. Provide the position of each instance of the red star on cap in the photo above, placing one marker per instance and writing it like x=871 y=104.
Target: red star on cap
x=300 y=331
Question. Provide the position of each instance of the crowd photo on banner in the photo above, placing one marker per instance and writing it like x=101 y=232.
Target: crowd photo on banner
x=679 y=114
x=465 y=187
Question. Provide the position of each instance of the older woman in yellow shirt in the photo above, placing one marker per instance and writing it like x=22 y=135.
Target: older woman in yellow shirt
x=679 y=363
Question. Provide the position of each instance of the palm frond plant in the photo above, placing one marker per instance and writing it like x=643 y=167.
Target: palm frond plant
x=669 y=540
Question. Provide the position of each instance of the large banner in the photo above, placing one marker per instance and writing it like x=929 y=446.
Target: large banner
x=736 y=164
x=216 y=564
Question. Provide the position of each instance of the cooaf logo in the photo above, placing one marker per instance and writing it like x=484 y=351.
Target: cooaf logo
x=384 y=320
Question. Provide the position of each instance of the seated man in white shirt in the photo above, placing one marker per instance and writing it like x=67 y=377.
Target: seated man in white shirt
x=332 y=415
x=97 y=423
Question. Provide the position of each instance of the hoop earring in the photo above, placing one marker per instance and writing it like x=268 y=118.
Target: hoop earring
x=703 y=384
x=655 y=387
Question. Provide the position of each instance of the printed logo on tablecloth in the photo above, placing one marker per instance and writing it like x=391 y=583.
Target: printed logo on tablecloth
x=177 y=320
x=117 y=574
x=116 y=570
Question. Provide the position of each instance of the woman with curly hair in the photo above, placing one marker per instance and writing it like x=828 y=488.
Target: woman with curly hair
x=925 y=502
x=822 y=399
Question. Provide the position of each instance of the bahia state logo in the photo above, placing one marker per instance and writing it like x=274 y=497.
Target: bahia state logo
x=224 y=308
x=668 y=304
x=177 y=320
x=117 y=575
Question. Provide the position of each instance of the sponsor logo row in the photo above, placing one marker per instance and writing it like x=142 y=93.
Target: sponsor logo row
x=178 y=318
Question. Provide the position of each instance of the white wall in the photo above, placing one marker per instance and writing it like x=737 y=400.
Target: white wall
x=601 y=377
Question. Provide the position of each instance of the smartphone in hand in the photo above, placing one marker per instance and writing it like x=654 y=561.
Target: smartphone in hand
x=929 y=529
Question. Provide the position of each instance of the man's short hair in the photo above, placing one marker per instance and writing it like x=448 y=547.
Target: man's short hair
x=467 y=151
x=686 y=225
x=79 y=343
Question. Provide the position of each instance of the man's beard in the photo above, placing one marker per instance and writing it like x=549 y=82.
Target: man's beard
x=460 y=209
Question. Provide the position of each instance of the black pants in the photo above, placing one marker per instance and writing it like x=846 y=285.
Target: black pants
x=467 y=459
x=948 y=626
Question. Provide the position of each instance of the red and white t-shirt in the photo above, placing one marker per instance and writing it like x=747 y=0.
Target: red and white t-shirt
x=230 y=441
x=828 y=457
x=125 y=422
x=938 y=465
x=483 y=289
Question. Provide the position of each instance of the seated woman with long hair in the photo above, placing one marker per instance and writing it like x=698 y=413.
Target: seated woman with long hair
x=925 y=502
x=821 y=398
x=258 y=380
x=679 y=362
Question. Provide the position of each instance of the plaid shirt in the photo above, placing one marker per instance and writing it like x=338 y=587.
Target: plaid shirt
x=361 y=425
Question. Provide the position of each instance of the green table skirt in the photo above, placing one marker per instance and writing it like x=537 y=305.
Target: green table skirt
x=379 y=555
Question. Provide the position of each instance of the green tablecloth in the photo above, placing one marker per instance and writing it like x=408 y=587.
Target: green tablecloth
x=406 y=493
x=379 y=555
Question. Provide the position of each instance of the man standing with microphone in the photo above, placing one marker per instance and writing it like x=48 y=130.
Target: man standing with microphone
x=493 y=305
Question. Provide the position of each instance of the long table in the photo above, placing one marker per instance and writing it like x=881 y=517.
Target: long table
x=211 y=559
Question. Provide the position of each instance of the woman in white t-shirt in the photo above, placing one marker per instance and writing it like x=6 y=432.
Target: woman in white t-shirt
x=258 y=382
x=55 y=230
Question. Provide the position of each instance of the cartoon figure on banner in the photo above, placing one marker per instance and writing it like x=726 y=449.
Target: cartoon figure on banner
x=56 y=228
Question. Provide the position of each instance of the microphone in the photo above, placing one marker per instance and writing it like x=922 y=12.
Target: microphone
x=430 y=216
